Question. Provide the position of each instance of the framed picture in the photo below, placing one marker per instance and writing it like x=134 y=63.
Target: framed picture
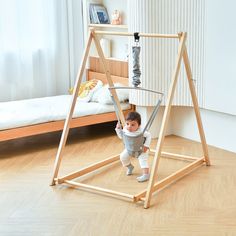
x=98 y=14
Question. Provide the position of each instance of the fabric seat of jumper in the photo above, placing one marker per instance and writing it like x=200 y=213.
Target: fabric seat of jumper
x=134 y=144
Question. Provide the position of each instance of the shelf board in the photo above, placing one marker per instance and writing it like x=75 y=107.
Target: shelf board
x=108 y=26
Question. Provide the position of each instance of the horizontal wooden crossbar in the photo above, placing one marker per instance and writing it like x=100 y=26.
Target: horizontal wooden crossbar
x=99 y=189
x=175 y=156
x=172 y=178
x=88 y=169
x=140 y=34
x=138 y=197
x=179 y=156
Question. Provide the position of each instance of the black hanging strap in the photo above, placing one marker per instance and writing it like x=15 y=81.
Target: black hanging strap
x=136 y=37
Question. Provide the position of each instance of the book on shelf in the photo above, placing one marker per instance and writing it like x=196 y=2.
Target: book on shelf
x=98 y=14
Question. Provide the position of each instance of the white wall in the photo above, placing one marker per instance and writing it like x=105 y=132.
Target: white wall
x=118 y=44
x=145 y=113
x=220 y=50
x=220 y=128
x=219 y=118
x=120 y=5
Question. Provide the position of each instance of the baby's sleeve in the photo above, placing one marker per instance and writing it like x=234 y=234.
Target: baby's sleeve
x=148 y=139
x=119 y=132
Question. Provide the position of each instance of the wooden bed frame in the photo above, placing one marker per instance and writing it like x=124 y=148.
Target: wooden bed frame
x=119 y=71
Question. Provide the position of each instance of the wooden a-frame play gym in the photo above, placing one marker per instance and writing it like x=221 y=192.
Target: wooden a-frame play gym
x=152 y=187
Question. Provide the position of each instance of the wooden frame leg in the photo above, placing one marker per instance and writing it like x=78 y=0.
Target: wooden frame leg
x=69 y=115
x=108 y=76
x=164 y=122
x=196 y=106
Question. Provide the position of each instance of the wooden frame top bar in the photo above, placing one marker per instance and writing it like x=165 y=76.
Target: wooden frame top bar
x=140 y=34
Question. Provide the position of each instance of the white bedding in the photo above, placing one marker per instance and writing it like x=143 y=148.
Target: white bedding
x=39 y=110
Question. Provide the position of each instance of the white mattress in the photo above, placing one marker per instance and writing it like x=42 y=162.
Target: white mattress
x=39 y=110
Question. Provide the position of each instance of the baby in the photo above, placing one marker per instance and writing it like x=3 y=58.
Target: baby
x=132 y=128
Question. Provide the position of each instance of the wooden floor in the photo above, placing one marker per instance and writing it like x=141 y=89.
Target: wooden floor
x=202 y=203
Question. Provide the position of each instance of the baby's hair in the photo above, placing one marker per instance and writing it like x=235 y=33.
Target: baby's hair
x=134 y=116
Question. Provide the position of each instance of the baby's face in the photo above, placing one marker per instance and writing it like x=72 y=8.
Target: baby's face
x=131 y=125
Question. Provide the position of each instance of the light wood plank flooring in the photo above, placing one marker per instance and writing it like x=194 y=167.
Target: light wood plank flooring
x=202 y=203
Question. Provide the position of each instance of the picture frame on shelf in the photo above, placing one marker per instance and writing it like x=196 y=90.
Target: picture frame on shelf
x=98 y=14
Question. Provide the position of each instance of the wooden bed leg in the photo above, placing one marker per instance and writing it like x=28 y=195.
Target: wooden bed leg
x=164 y=122
x=69 y=115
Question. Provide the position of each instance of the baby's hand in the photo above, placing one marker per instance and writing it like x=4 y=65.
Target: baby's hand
x=118 y=126
x=145 y=149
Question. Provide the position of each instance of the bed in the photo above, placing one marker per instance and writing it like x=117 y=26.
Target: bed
x=43 y=115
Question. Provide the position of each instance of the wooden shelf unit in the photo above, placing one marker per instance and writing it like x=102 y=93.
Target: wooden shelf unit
x=109 y=26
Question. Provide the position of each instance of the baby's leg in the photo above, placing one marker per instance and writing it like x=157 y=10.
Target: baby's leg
x=125 y=160
x=143 y=162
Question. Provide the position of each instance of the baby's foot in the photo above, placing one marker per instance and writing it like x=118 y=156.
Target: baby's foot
x=143 y=178
x=130 y=168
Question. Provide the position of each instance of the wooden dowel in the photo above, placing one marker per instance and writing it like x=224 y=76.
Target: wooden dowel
x=172 y=178
x=140 y=34
x=165 y=120
x=178 y=156
x=196 y=106
x=99 y=189
x=108 y=76
x=88 y=169
x=152 y=151
x=175 y=156
x=70 y=113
